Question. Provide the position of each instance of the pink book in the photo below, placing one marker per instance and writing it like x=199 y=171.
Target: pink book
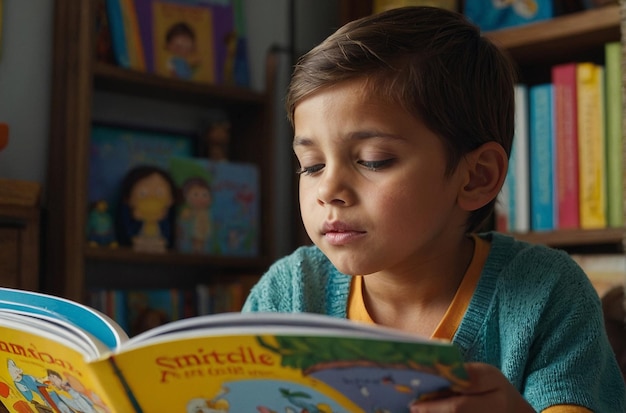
x=566 y=145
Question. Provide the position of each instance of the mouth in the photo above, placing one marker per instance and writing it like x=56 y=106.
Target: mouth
x=339 y=233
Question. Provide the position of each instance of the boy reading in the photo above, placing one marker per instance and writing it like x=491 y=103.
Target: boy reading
x=403 y=124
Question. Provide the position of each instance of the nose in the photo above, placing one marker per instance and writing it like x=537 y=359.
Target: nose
x=334 y=186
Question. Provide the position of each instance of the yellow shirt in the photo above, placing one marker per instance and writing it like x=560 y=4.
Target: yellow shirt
x=452 y=318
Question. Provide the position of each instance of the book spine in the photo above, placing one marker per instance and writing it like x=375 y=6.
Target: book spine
x=143 y=9
x=591 y=145
x=118 y=36
x=566 y=145
x=614 y=137
x=134 y=45
x=519 y=166
x=541 y=157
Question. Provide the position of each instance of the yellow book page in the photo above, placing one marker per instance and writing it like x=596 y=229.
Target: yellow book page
x=266 y=373
x=183 y=41
x=41 y=375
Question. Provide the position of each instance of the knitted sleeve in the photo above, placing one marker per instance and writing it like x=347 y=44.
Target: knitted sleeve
x=536 y=316
x=304 y=281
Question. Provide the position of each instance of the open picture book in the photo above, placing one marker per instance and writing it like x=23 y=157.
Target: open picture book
x=60 y=356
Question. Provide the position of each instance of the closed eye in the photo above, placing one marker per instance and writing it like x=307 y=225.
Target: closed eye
x=309 y=170
x=377 y=165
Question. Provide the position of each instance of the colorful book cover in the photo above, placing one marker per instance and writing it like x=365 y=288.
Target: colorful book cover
x=591 y=145
x=614 y=134
x=118 y=34
x=183 y=40
x=518 y=172
x=289 y=362
x=220 y=211
x=227 y=37
x=115 y=150
x=495 y=15
x=566 y=144
x=542 y=194
x=44 y=370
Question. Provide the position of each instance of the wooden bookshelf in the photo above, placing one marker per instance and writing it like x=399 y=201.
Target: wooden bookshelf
x=77 y=78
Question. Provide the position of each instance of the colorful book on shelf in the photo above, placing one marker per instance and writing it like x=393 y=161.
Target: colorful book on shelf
x=228 y=37
x=289 y=362
x=566 y=145
x=614 y=134
x=220 y=210
x=518 y=175
x=115 y=18
x=541 y=157
x=494 y=15
x=591 y=145
x=115 y=150
x=134 y=45
x=183 y=43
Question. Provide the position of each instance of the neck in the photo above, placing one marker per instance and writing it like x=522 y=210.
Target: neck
x=416 y=300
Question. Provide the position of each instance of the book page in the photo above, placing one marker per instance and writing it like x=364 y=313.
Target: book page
x=65 y=311
x=281 y=367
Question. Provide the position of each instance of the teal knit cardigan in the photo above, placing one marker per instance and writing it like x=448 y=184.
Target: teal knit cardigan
x=534 y=315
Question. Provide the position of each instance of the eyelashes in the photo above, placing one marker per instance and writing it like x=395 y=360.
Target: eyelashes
x=369 y=165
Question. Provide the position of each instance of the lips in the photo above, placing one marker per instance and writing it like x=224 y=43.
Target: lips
x=340 y=233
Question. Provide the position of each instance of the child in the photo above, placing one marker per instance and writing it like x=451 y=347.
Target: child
x=403 y=125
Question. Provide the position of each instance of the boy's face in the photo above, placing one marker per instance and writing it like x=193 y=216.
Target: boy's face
x=373 y=191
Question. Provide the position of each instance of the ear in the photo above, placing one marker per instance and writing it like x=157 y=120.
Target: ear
x=485 y=171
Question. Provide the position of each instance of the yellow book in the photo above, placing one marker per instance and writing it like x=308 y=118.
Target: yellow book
x=66 y=357
x=591 y=145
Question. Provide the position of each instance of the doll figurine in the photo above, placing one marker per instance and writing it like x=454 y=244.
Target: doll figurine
x=100 y=226
x=147 y=212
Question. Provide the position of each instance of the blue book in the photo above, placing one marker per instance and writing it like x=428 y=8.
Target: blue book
x=542 y=161
x=118 y=34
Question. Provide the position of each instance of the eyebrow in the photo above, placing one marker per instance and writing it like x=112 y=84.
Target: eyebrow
x=359 y=135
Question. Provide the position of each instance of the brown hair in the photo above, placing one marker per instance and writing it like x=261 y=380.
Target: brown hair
x=431 y=61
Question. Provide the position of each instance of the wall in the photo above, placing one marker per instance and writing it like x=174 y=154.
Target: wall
x=25 y=87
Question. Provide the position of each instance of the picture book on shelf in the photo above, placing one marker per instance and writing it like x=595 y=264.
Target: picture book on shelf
x=229 y=49
x=220 y=211
x=62 y=356
x=115 y=150
x=183 y=40
x=495 y=15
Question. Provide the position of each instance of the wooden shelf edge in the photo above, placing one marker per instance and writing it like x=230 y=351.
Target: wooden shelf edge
x=126 y=254
x=574 y=237
x=111 y=77
x=561 y=27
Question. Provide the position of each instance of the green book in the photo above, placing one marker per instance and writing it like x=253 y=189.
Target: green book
x=614 y=135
